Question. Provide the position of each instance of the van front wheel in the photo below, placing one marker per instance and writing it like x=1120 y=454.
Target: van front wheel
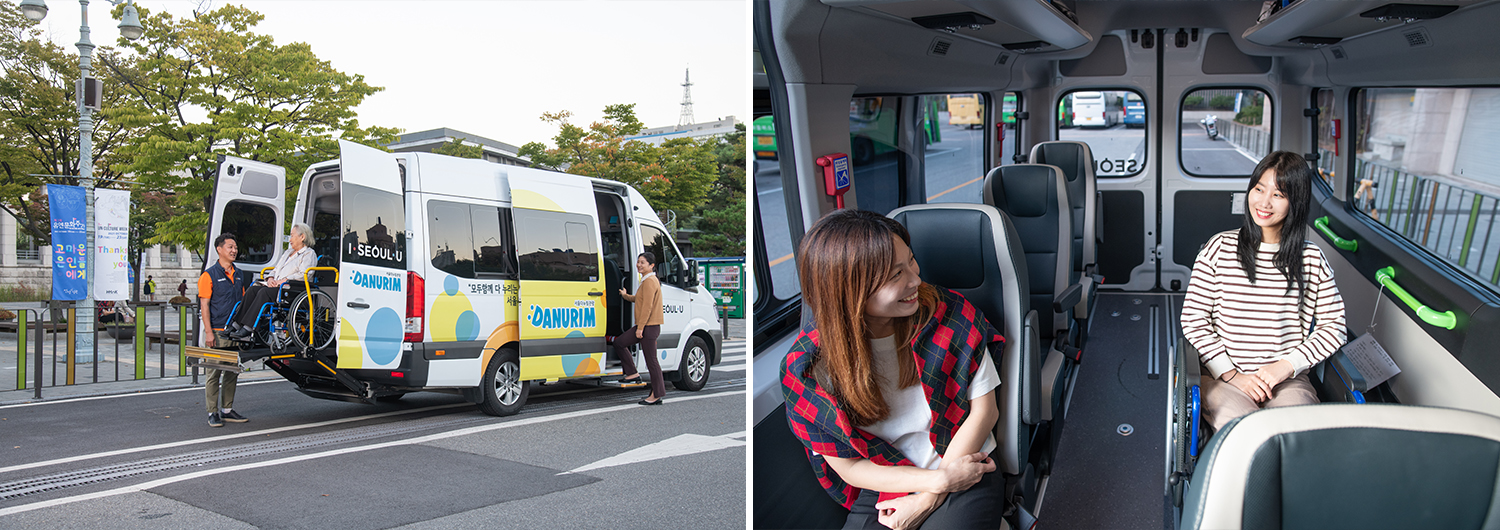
x=504 y=391
x=693 y=373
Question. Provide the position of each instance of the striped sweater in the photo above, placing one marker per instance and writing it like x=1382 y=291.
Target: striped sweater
x=1237 y=325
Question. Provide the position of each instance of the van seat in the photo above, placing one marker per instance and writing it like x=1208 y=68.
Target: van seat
x=1349 y=466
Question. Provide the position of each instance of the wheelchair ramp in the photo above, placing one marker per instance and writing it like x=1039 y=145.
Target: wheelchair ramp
x=1101 y=478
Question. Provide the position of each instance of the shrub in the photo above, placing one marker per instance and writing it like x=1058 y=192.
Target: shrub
x=1250 y=115
x=1222 y=102
x=1192 y=102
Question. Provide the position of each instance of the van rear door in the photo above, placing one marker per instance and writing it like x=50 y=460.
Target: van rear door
x=249 y=202
x=372 y=271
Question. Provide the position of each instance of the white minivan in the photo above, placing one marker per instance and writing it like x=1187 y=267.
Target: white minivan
x=463 y=276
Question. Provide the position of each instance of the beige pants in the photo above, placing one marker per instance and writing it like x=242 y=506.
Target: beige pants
x=217 y=381
x=1223 y=402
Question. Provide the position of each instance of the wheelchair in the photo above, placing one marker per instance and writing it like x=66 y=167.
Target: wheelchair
x=300 y=318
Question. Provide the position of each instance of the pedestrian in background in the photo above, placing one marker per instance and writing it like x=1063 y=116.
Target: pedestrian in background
x=150 y=288
x=182 y=288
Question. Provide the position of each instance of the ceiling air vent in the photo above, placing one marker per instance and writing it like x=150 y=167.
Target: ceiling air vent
x=1004 y=58
x=1338 y=52
x=1417 y=38
x=939 y=47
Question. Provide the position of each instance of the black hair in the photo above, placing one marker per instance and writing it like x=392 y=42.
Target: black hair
x=219 y=241
x=650 y=257
x=1294 y=181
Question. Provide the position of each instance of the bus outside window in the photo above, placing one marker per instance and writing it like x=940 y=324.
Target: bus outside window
x=1425 y=166
x=1097 y=118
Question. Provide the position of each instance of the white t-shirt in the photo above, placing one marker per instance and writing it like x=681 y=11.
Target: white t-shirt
x=907 y=426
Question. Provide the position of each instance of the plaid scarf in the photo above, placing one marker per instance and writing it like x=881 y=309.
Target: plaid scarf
x=947 y=352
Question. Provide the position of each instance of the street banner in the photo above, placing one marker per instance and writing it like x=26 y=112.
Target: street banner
x=69 y=246
x=111 y=238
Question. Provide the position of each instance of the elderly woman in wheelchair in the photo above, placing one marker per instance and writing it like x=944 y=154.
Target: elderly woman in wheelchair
x=286 y=309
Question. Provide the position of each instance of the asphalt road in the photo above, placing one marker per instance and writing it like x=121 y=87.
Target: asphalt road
x=1208 y=157
x=577 y=456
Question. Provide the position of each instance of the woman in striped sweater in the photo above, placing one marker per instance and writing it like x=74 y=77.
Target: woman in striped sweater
x=1262 y=306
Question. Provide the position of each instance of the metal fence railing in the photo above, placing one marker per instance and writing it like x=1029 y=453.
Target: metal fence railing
x=1454 y=222
x=1246 y=137
x=41 y=342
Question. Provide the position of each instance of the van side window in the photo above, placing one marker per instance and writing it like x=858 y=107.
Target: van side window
x=375 y=227
x=669 y=265
x=492 y=253
x=556 y=246
x=255 y=227
x=450 y=239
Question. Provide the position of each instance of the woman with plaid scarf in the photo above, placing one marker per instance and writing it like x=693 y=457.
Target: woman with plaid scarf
x=896 y=453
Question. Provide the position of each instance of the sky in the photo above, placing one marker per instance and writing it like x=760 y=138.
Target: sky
x=491 y=67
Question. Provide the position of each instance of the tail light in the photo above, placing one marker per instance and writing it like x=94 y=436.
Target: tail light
x=416 y=305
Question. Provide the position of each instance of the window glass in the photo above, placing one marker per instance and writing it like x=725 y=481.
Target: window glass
x=492 y=254
x=1224 y=131
x=1328 y=146
x=669 y=264
x=449 y=238
x=770 y=205
x=376 y=233
x=1427 y=165
x=325 y=227
x=1106 y=119
x=875 y=156
x=255 y=228
x=953 y=163
x=552 y=248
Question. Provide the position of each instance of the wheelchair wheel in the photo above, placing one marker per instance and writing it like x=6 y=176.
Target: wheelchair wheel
x=324 y=323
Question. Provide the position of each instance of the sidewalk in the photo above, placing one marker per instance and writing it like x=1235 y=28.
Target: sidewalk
x=130 y=386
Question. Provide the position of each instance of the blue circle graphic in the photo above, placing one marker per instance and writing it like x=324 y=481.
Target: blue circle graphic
x=383 y=335
x=467 y=327
x=450 y=285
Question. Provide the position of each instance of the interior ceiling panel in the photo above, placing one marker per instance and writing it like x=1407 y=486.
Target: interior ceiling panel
x=997 y=33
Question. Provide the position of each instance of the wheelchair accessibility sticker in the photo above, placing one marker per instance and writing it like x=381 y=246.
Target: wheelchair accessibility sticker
x=581 y=315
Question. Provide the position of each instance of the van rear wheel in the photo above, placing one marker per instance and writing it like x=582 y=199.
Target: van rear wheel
x=504 y=391
x=693 y=373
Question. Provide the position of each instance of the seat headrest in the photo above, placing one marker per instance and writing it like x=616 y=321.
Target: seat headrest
x=969 y=248
x=1023 y=190
x=1074 y=158
x=1349 y=466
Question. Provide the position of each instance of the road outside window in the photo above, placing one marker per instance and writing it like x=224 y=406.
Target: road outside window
x=1224 y=131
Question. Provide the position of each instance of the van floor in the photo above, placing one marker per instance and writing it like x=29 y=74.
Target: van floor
x=1101 y=478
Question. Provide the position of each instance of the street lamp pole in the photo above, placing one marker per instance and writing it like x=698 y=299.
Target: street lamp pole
x=130 y=28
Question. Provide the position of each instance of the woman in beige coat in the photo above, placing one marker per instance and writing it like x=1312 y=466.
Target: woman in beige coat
x=648 y=320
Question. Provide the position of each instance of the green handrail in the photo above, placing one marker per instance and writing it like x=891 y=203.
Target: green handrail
x=1347 y=244
x=1445 y=320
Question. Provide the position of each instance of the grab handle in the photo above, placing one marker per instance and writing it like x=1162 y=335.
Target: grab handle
x=1445 y=320
x=1346 y=244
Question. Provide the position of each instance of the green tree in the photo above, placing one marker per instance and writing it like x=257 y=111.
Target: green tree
x=459 y=149
x=39 y=123
x=675 y=175
x=207 y=86
x=721 y=219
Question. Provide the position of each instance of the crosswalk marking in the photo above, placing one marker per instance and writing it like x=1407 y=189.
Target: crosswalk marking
x=680 y=445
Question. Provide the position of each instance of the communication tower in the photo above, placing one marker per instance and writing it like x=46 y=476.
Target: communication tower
x=687 y=100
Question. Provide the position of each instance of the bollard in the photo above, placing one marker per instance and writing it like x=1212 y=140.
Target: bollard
x=724 y=322
x=21 y=350
x=37 y=392
x=72 y=344
x=140 y=344
x=182 y=327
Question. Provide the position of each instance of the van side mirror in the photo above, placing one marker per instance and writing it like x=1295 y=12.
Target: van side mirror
x=692 y=272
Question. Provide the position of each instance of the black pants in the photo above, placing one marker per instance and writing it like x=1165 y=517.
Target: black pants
x=980 y=506
x=648 y=350
x=255 y=297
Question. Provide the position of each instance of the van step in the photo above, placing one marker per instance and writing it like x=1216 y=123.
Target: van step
x=624 y=384
x=334 y=394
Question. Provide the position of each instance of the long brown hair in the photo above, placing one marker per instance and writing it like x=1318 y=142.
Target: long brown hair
x=843 y=260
